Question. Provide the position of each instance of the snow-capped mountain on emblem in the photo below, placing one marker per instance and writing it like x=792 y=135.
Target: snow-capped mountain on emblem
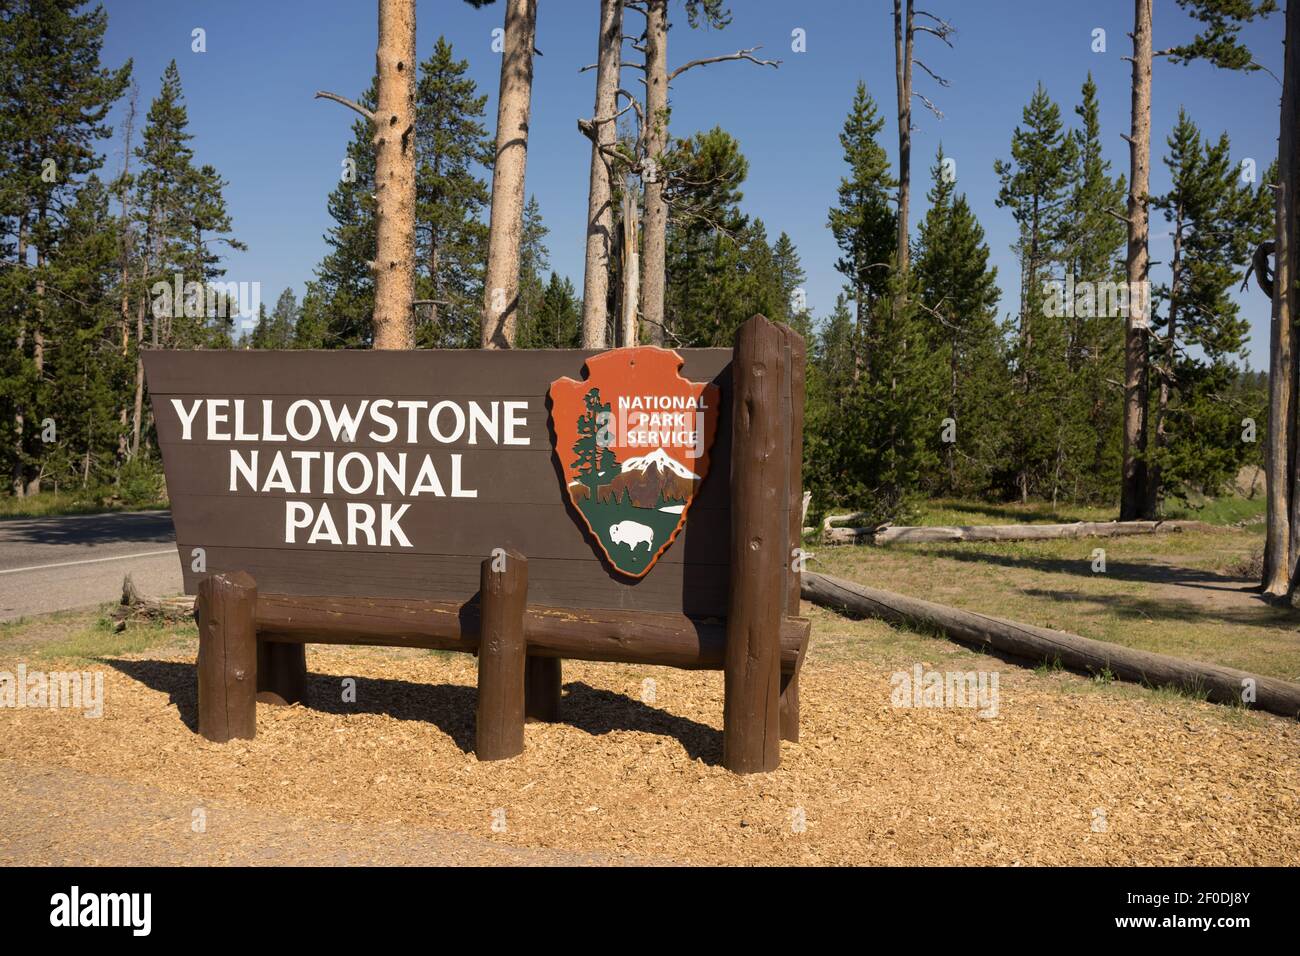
x=659 y=459
x=632 y=441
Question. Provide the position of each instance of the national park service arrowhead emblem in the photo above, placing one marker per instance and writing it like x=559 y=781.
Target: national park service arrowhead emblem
x=632 y=441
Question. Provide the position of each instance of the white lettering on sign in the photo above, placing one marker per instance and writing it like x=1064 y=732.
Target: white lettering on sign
x=381 y=472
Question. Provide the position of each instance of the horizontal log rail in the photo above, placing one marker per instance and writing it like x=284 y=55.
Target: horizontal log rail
x=670 y=640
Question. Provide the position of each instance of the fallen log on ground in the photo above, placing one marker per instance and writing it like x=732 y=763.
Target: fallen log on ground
x=1224 y=685
x=135 y=608
x=908 y=534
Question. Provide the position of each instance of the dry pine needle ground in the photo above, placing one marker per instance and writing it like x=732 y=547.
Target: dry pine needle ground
x=1063 y=774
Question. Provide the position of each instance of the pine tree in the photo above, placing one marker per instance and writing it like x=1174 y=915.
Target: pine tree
x=1215 y=220
x=1034 y=186
x=54 y=100
x=790 y=277
x=534 y=261
x=277 y=330
x=594 y=456
x=86 y=370
x=454 y=148
x=558 y=323
x=1092 y=251
x=864 y=222
x=183 y=218
x=706 y=231
x=344 y=284
x=960 y=295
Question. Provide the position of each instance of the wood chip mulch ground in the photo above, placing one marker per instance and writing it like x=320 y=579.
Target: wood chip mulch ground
x=632 y=775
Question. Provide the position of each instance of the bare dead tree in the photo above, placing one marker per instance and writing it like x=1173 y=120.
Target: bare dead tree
x=905 y=30
x=393 y=122
x=1133 y=490
x=653 y=44
x=505 y=229
x=1282 y=541
x=600 y=213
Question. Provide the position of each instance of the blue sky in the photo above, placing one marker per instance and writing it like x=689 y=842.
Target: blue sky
x=253 y=116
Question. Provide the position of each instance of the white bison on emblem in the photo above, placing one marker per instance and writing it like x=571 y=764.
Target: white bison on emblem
x=632 y=533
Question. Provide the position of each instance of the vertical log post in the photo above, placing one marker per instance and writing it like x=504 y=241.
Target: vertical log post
x=281 y=672
x=503 y=589
x=760 y=474
x=796 y=356
x=542 y=689
x=227 y=667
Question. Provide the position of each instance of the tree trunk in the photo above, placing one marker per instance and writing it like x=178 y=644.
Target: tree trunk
x=631 y=269
x=395 y=176
x=903 y=69
x=1283 y=510
x=38 y=351
x=501 y=282
x=137 y=407
x=600 y=210
x=1133 y=496
x=17 y=480
x=654 y=270
x=124 y=261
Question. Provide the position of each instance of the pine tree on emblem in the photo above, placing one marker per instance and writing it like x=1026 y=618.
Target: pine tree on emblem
x=594 y=456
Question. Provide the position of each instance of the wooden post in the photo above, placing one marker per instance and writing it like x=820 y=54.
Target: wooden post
x=542 y=689
x=796 y=356
x=227 y=605
x=760 y=473
x=281 y=672
x=503 y=589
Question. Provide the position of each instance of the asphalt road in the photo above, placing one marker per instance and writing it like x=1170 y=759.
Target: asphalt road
x=61 y=563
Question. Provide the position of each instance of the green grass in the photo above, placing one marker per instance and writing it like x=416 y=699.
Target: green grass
x=1170 y=593
x=944 y=511
x=947 y=511
x=49 y=503
x=1220 y=511
x=84 y=636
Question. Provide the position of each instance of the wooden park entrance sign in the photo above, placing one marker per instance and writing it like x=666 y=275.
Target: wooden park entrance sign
x=638 y=505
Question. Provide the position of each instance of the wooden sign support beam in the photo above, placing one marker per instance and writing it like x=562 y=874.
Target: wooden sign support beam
x=796 y=356
x=227 y=667
x=281 y=673
x=760 y=474
x=499 y=730
x=542 y=680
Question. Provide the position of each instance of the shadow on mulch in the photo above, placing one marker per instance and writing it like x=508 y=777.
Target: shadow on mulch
x=449 y=707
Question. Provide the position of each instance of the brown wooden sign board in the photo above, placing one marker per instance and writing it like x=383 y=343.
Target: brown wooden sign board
x=492 y=482
x=427 y=498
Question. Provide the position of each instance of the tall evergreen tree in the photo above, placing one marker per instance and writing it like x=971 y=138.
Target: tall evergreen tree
x=1215 y=219
x=344 y=285
x=1035 y=187
x=183 y=219
x=534 y=261
x=86 y=370
x=276 y=330
x=1092 y=250
x=863 y=221
x=790 y=277
x=558 y=323
x=454 y=150
x=960 y=294
x=54 y=99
